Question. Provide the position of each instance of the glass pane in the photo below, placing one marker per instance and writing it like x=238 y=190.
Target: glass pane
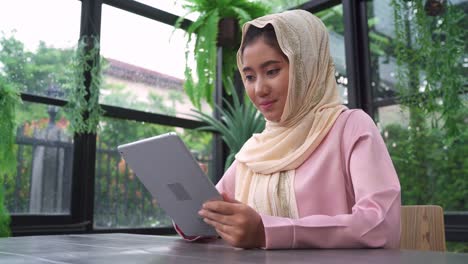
x=171 y=6
x=281 y=5
x=42 y=184
x=383 y=45
x=34 y=47
x=121 y=201
x=431 y=166
x=333 y=19
x=427 y=136
x=383 y=61
x=145 y=67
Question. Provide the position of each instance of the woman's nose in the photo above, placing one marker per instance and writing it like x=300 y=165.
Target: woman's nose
x=261 y=88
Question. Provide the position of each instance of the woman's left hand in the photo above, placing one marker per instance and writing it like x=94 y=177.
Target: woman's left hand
x=237 y=223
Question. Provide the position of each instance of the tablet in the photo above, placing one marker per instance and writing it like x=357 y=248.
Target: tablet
x=170 y=173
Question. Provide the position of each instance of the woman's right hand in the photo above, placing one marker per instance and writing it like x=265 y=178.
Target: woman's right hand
x=237 y=223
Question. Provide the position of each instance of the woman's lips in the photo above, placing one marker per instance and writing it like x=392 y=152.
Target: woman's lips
x=266 y=105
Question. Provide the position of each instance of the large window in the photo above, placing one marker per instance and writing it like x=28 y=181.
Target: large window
x=144 y=68
x=35 y=52
x=413 y=107
x=418 y=81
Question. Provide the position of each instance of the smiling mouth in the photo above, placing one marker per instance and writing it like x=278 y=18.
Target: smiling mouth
x=266 y=105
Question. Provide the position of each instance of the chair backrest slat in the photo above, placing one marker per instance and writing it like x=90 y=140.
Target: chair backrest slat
x=422 y=228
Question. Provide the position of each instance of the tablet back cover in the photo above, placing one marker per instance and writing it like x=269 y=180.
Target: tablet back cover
x=170 y=173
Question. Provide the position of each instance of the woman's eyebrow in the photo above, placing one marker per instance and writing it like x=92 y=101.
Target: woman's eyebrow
x=263 y=65
x=268 y=63
x=246 y=69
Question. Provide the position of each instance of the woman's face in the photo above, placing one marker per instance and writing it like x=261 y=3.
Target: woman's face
x=266 y=78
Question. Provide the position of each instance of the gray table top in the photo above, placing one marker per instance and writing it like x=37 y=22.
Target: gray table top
x=130 y=248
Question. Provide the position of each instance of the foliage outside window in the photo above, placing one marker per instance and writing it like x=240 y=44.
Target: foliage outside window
x=430 y=154
x=9 y=100
x=4 y=216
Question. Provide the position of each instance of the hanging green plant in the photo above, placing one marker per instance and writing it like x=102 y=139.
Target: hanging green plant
x=200 y=85
x=238 y=122
x=4 y=216
x=429 y=154
x=430 y=52
x=9 y=101
x=83 y=109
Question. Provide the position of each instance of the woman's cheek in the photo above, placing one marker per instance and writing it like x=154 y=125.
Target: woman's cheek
x=251 y=94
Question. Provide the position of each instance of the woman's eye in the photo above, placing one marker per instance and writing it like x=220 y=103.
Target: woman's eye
x=272 y=72
x=249 y=78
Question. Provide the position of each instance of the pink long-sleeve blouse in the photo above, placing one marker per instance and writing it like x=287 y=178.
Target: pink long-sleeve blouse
x=347 y=192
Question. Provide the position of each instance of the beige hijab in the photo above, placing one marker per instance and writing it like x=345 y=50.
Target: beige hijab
x=267 y=161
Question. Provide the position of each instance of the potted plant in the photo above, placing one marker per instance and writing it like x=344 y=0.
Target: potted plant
x=217 y=19
x=238 y=122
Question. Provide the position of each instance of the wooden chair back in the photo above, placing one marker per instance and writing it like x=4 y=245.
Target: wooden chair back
x=422 y=228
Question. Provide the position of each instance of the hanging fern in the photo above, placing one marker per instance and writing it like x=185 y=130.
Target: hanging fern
x=83 y=109
x=200 y=85
x=9 y=102
x=4 y=216
x=429 y=57
x=429 y=154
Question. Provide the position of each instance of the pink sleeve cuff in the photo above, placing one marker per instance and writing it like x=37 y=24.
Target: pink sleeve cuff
x=187 y=238
x=193 y=238
x=279 y=232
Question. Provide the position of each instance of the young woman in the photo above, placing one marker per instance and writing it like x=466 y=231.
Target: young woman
x=319 y=175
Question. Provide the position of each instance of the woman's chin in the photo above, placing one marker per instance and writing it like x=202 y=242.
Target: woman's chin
x=272 y=118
